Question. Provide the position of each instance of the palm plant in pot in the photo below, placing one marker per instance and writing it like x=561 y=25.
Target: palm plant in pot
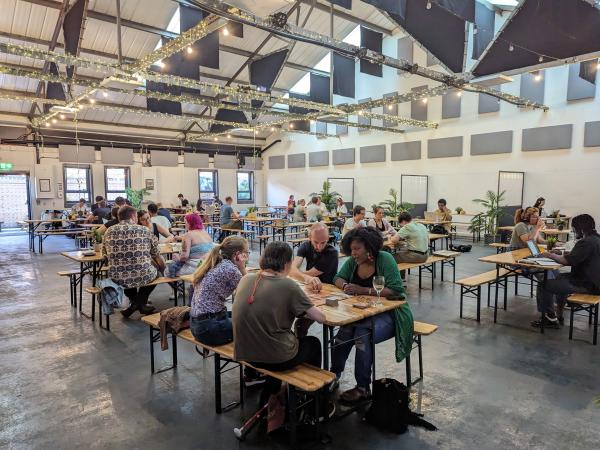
x=136 y=196
x=393 y=207
x=492 y=212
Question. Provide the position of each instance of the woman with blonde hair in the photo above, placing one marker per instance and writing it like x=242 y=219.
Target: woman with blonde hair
x=214 y=281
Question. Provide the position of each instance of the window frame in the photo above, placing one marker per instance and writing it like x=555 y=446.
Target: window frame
x=127 y=180
x=89 y=182
x=215 y=191
x=245 y=201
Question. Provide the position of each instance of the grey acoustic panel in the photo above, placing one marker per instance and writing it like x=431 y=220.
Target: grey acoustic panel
x=390 y=110
x=488 y=104
x=547 y=138
x=445 y=147
x=362 y=119
x=277 y=162
x=591 y=135
x=405 y=50
x=341 y=130
x=225 y=162
x=418 y=109
x=532 y=86
x=318 y=159
x=251 y=163
x=196 y=160
x=296 y=161
x=321 y=127
x=117 y=156
x=578 y=88
x=372 y=153
x=76 y=154
x=405 y=151
x=491 y=143
x=163 y=158
x=431 y=60
x=343 y=156
x=451 y=102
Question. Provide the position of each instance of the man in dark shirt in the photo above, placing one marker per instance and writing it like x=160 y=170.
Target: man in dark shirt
x=102 y=213
x=96 y=205
x=164 y=212
x=321 y=258
x=584 y=260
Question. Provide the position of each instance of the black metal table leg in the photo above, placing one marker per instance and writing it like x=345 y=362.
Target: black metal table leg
x=292 y=402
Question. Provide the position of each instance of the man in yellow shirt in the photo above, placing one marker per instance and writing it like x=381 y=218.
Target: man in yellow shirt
x=442 y=214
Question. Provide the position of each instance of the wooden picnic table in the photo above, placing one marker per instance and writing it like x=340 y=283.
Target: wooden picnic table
x=432 y=238
x=513 y=262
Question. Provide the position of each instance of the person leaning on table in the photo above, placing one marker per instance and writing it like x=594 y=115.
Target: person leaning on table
x=584 y=260
x=416 y=237
x=356 y=278
x=264 y=309
x=527 y=228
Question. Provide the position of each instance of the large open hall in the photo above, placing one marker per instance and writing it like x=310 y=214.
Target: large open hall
x=299 y=224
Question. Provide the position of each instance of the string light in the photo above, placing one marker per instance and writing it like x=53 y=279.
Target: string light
x=390 y=107
x=225 y=31
x=54 y=121
x=105 y=94
x=292 y=126
x=537 y=76
x=47 y=124
x=189 y=50
x=161 y=64
x=92 y=100
x=273 y=129
x=459 y=94
x=424 y=100
x=62 y=117
x=216 y=139
x=228 y=136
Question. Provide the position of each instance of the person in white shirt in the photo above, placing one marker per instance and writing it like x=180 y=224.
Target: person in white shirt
x=159 y=220
x=313 y=211
x=322 y=207
x=80 y=209
x=340 y=207
x=380 y=224
x=356 y=221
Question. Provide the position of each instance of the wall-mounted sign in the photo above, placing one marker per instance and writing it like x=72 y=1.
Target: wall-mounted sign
x=150 y=184
x=6 y=166
x=44 y=185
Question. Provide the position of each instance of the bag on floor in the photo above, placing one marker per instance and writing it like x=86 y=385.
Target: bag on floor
x=463 y=248
x=390 y=409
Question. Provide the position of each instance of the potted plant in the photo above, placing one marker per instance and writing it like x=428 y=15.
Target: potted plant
x=97 y=241
x=554 y=214
x=136 y=196
x=459 y=210
x=393 y=207
x=327 y=196
x=551 y=243
x=492 y=212
x=476 y=226
x=560 y=224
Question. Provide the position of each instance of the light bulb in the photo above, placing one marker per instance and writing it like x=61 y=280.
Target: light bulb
x=189 y=50
x=292 y=126
x=537 y=77
x=312 y=122
x=273 y=129
x=54 y=121
x=428 y=6
x=47 y=124
x=105 y=94
x=424 y=100
x=459 y=94
x=225 y=32
x=92 y=100
x=216 y=139
x=228 y=136
x=160 y=64
x=390 y=107
x=360 y=113
x=62 y=117
x=511 y=48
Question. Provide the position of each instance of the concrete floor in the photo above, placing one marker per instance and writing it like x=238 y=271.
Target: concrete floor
x=65 y=383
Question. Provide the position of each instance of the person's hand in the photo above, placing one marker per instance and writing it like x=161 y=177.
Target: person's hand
x=352 y=289
x=547 y=255
x=240 y=260
x=540 y=224
x=314 y=284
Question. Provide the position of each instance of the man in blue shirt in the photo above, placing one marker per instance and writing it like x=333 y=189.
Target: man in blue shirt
x=229 y=219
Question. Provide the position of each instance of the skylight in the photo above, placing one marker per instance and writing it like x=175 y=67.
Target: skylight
x=173 y=27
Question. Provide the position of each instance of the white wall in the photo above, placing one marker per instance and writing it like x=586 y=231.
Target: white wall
x=568 y=179
x=169 y=181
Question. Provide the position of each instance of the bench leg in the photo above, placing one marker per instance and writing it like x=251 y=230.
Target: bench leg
x=292 y=415
x=595 y=335
x=420 y=276
x=505 y=292
x=420 y=349
x=151 y=351
x=462 y=293
x=516 y=284
x=218 y=407
x=478 y=303
x=408 y=372
x=571 y=322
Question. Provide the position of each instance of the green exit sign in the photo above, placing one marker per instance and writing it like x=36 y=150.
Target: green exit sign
x=6 y=166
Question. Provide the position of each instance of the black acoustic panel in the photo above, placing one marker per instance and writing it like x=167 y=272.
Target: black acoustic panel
x=485 y=22
x=588 y=70
x=465 y=9
x=54 y=91
x=227 y=115
x=445 y=147
x=578 y=88
x=236 y=29
x=373 y=41
x=206 y=50
x=562 y=29
x=390 y=6
x=72 y=27
x=418 y=109
x=451 y=103
x=319 y=88
x=591 y=136
x=343 y=75
x=491 y=143
x=547 y=138
x=277 y=162
x=427 y=25
x=297 y=109
x=296 y=161
x=532 y=86
x=418 y=210
x=318 y=159
x=300 y=125
x=263 y=71
x=343 y=156
x=406 y=151
x=343 y=3
x=163 y=106
x=372 y=153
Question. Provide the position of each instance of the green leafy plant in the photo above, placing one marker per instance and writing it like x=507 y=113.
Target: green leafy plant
x=459 y=210
x=327 y=196
x=477 y=224
x=252 y=209
x=97 y=237
x=551 y=242
x=136 y=196
x=561 y=224
x=492 y=211
x=392 y=207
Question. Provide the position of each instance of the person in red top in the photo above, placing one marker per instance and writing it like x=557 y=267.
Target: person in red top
x=291 y=205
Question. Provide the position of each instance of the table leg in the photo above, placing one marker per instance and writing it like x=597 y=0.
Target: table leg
x=373 y=344
x=496 y=293
x=325 y=347
x=542 y=313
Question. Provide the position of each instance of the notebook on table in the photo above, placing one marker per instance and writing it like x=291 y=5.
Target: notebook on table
x=535 y=258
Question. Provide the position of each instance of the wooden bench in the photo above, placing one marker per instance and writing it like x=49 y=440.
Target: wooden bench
x=588 y=303
x=303 y=377
x=420 y=329
x=297 y=242
x=96 y=293
x=471 y=287
x=77 y=233
x=429 y=266
x=74 y=277
x=500 y=247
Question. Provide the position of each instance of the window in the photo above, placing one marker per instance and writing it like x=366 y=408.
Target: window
x=245 y=185
x=116 y=181
x=78 y=184
x=208 y=184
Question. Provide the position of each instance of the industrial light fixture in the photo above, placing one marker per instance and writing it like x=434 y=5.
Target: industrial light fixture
x=105 y=94
x=459 y=94
x=428 y=6
x=228 y=136
x=541 y=58
x=537 y=76
x=54 y=121
x=511 y=48
x=216 y=139
x=47 y=124
x=390 y=107
x=225 y=31
x=360 y=113
x=475 y=29
x=292 y=126
x=62 y=117
x=189 y=50
x=161 y=64
x=272 y=128
x=92 y=100
x=424 y=100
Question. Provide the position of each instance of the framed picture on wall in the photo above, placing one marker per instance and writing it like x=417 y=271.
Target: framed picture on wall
x=44 y=184
x=150 y=184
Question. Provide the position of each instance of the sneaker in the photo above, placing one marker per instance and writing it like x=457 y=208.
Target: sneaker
x=145 y=309
x=254 y=379
x=128 y=312
x=547 y=323
x=355 y=395
x=329 y=412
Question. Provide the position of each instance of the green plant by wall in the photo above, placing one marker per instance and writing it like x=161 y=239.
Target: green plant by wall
x=551 y=242
x=136 y=196
x=392 y=207
x=492 y=211
x=328 y=196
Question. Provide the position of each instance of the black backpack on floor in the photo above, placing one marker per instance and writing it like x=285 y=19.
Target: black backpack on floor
x=390 y=409
x=463 y=248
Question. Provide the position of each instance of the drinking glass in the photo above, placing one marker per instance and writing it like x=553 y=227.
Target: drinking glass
x=378 y=285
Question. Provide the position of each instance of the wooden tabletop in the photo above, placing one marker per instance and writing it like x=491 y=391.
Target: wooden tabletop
x=257 y=219
x=166 y=249
x=45 y=220
x=91 y=225
x=555 y=231
x=512 y=258
x=506 y=228
x=79 y=257
x=432 y=237
x=433 y=222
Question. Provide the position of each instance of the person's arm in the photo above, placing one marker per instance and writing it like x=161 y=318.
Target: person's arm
x=159 y=263
x=393 y=281
x=560 y=259
x=389 y=229
x=165 y=233
x=315 y=314
x=157 y=260
x=307 y=277
x=184 y=255
x=102 y=229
